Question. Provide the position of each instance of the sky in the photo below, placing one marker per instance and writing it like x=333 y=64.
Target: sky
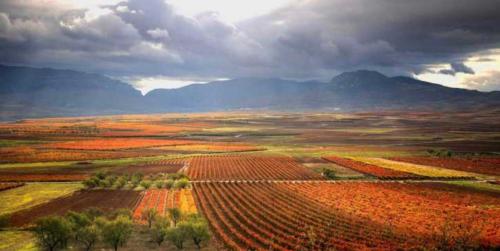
x=167 y=44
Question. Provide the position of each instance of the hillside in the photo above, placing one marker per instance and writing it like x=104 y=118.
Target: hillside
x=30 y=92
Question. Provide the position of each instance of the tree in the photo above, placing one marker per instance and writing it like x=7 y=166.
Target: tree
x=175 y=215
x=169 y=183
x=159 y=230
x=149 y=215
x=178 y=235
x=117 y=232
x=198 y=230
x=88 y=236
x=181 y=183
x=52 y=232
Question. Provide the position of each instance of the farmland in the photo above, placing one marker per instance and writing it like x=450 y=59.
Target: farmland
x=281 y=181
x=248 y=167
x=34 y=194
x=80 y=201
x=163 y=199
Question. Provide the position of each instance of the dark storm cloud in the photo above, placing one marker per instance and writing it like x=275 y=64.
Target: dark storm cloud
x=307 y=39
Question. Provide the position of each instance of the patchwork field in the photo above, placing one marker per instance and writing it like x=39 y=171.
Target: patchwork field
x=33 y=194
x=262 y=181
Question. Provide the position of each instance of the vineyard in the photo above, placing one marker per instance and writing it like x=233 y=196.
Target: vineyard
x=258 y=181
x=373 y=170
x=262 y=216
x=154 y=167
x=413 y=209
x=248 y=167
x=163 y=199
x=115 y=143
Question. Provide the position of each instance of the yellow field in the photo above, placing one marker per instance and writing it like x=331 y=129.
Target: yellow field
x=413 y=168
x=17 y=240
x=33 y=194
x=186 y=202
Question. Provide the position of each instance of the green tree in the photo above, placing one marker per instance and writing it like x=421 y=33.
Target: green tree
x=149 y=215
x=181 y=183
x=178 y=235
x=146 y=184
x=88 y=236
x=169 y=183
x=117 y=232
x=52 y=232
x=175 y=215
x=159 y=230
x=198 y=230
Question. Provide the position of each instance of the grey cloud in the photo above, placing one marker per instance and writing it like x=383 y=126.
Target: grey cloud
x=457 y=68
x=461 y=67
x=306 y=39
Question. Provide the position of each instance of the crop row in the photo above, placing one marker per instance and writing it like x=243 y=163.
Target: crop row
x=414 y=209
x=264 y=216
x=429 y=171
x=247 y=168
x=163 y=199
x=369 y=169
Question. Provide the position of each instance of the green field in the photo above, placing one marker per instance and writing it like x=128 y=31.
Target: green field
x=33 y=194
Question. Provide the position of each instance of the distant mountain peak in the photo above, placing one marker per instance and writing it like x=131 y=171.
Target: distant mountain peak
x=359 y=75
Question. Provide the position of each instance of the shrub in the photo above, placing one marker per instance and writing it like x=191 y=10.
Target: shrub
x=329 y=174
x=146 y=184
x=181 y=183
x=159 y=184
x=136 y=178
x=169 y=184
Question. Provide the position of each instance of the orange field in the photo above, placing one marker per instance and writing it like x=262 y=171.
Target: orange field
x=214 y=147
x=163 y=199
x=248 y=167
x=415 y=209
x=116 y=143
x=40 y=154
x=152 y=167
x=267 y=216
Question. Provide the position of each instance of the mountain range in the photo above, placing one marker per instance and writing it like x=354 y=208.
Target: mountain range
x=33 y=92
